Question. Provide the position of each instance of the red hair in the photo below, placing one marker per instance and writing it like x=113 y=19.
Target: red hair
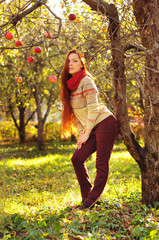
x=67 y=123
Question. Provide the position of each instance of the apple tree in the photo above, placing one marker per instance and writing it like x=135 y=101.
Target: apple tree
x=15 y=96
x=29 y=61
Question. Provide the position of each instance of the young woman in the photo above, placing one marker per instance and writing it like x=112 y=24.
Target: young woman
x=96 y=125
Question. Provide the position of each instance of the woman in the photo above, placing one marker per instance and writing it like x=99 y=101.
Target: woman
x=96 y=125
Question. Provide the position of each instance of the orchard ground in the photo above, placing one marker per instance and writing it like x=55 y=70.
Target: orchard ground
x=39 y=194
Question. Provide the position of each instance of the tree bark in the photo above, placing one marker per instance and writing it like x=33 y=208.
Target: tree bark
x=40 y=119
x=146 y=13
x=21 y=128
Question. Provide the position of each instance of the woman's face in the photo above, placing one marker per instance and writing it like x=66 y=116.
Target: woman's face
x=75 y=64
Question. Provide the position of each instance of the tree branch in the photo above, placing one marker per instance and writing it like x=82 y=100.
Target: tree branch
x=48 y=105
x=2 y=1
x=103 y=6
x=60 y=21
x=30 y=117
x=12 y=114
x=37 y=99
x=138 y=48
x=17 y=17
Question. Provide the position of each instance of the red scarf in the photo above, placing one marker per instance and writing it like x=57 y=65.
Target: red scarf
x=74 y=81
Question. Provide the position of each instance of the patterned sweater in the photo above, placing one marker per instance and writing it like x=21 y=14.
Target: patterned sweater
x=87 y=107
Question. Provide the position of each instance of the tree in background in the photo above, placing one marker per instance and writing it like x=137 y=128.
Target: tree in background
x=27 y=66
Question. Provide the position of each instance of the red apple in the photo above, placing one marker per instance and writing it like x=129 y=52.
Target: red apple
x=48 y=34
x=52 y=79
x=18 y=43
x=18 y=79
x=9 y=35
x=72 y=17
x=37 y=50
x=30 y=59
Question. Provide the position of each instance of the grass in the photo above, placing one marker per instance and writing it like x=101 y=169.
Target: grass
x=39 y=193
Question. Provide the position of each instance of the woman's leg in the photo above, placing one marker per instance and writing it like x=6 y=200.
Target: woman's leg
x=106 y=133
x=78 y=159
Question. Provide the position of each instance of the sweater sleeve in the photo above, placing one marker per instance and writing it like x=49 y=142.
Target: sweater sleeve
x=77 y=124
x=91 y=95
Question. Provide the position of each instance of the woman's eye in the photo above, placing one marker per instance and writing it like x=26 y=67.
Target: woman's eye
x=72 y=61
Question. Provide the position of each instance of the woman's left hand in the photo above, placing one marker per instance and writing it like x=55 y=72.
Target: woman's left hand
x=82 y=139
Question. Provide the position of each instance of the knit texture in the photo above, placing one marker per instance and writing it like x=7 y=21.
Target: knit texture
x=86 y=104
x=74 y=81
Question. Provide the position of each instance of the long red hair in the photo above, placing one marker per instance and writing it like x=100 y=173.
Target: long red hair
x=67 y=123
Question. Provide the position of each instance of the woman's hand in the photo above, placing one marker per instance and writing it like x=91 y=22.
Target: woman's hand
x=83 y=137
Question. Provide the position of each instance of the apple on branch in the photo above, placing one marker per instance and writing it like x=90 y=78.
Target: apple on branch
x=9 y=35
x=18 y=43
x=18 y=79
x=72 y=17
x=52 y=79
x=30 y=59
x=37 y=50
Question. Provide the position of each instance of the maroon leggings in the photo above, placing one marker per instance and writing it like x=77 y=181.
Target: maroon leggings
x=101 y=139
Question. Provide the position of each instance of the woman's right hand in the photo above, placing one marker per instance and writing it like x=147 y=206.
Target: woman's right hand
x=83 y=137
x=79 y=144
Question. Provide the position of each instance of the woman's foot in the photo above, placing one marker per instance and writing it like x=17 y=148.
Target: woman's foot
x=88 y=205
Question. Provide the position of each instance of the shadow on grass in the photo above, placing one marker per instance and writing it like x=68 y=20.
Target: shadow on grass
x=30 y=150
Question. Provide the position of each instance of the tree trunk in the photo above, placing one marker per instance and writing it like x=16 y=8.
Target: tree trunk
x=150 y=180
x=146 y=13
x=41 y=144
x=21 y=128
x=40 y=119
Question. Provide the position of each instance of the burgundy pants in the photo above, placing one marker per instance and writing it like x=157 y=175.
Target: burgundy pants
x=101 y=140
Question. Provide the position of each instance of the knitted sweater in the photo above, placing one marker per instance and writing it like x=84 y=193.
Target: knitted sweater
x=86 y=105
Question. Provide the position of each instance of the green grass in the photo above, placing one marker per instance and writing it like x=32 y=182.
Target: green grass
x=39 y=193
